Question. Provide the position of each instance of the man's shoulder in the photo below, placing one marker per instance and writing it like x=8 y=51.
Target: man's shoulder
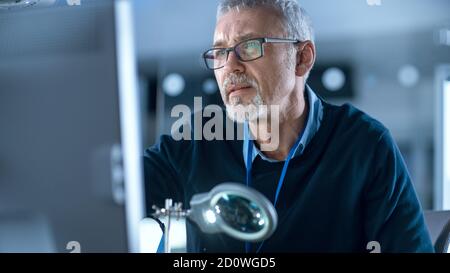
x=354 y=121
x=167 y=146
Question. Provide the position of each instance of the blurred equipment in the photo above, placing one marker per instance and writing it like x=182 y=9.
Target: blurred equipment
x=239 y=211
x=438 y=223
x=442 y=139
x=70 y=170
x=17 y=4
x=332 y=81
x=21 y=231
x=442 y=36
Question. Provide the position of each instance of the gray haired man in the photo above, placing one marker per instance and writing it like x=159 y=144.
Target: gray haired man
x=336 y=177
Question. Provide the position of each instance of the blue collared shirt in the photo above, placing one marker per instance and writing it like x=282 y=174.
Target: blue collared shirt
x=313 y=121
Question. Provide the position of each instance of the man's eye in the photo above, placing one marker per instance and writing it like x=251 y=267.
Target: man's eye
x=251 y=45
x=220 y=53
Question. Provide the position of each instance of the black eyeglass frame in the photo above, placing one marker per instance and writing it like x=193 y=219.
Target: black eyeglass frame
x=233 y=48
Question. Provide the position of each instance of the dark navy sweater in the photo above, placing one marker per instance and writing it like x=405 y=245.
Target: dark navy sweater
x=350 y=186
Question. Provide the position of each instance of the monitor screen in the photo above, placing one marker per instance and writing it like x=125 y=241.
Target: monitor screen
x=69 y=142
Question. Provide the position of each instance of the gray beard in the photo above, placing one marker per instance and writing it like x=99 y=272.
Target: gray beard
x=240 y=113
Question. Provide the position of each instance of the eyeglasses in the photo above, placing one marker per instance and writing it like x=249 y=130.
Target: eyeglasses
x=246 y=51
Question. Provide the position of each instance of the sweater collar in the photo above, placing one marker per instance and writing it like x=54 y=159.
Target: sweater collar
x=313 y=122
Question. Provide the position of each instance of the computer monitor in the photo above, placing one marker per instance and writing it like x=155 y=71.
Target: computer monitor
x=70 y=147
x=442 y=138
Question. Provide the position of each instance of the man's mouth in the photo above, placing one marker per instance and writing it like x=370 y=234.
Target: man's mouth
x=238 y=89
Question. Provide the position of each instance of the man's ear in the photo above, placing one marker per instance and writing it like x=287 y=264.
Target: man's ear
x=306 y=56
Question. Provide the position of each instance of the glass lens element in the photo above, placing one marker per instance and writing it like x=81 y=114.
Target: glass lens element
x=249 y=50
x=215 y=57
x=240 y=213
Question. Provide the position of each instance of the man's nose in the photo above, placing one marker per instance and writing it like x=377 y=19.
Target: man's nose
x=233 y=63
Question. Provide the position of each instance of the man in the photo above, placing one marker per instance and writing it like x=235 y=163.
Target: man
x=335 y=175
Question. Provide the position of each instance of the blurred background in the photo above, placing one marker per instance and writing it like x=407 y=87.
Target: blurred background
x=87 y=85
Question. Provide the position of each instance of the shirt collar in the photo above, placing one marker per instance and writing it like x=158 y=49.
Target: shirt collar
x=313 y=122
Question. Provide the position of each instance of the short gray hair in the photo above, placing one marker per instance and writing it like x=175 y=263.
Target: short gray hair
x=297 y=23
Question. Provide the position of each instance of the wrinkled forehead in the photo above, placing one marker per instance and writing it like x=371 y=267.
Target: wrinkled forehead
x=240 y=24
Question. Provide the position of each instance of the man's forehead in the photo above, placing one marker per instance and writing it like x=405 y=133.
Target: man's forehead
x=235 y=26
x=222 y=39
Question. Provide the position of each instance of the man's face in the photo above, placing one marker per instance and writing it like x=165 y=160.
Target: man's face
x=266 y=81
